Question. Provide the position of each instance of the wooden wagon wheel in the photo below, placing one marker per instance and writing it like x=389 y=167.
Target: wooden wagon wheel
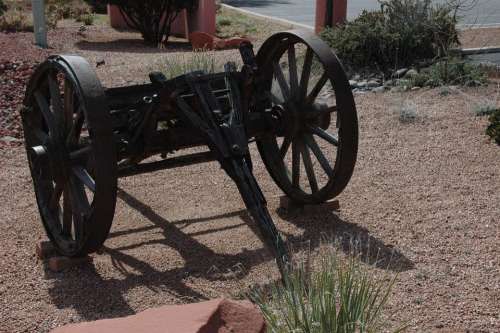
x=71 y=153
x=312 y=154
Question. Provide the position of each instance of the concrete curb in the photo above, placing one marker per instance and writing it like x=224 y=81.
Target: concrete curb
x=267 y=17
x=478 y=26
x=477 y=50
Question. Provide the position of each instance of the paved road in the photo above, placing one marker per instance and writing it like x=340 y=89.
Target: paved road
x=486 y=12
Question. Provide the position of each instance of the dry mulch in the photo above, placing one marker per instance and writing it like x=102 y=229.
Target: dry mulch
x=425 y=195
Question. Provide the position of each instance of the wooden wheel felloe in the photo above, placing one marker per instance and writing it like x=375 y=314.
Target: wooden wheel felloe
x=312 y=154
x=71 y=153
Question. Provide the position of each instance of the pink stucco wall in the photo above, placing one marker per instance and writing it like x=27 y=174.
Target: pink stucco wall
x=203 y=19
x=339 y=13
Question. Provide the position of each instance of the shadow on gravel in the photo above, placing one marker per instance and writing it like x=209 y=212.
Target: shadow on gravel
x=95 y=298
x=320 y=224
x=132 y=46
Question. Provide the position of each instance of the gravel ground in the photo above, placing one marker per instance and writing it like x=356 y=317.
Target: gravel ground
x=480 y=37
x=424 y=193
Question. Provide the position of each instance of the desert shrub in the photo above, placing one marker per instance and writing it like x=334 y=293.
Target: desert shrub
x=400 y=33
x=87 y=19
x=98 y=6
x=484 y=109
x=174 y=65
x=456 y=72
x=493 y=129
x=15 y=20
x=152 y=18
x=339 y=296
x=3 y=7
x=223 y=21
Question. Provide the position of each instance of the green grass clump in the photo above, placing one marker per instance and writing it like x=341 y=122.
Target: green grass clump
x=235 y=25
x=15 y=20
x=493 y=129
x=206 y=61
x=340 y=296
x=455 y=72
x=485 y=109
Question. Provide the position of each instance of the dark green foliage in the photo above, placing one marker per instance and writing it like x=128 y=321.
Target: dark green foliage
x=98 y=6
x=401 y=33
x=493 y=129
x=450 y=72
x=3 y=7
x=152 y=18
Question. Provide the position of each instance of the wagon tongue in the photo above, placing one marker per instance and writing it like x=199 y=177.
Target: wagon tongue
x=227 y=140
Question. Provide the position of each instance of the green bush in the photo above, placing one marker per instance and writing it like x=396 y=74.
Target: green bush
x=340 y=296
x=152 y=18
x=493 y=129
x=87 y=19
x=14 y=20
x=98 y=6
x=3 y=7
x=451 y=72
x=401 y=33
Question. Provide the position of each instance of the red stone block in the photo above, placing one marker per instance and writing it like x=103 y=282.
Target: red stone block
x=215 y=316
x=45 y=249
x=291 y=206
x=59 y=263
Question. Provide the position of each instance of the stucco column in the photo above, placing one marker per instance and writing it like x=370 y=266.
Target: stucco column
x=337 y=14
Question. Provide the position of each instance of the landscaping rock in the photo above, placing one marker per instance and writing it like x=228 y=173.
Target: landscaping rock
x=389 y=83
x=400 y=72
x=397 y=89
x=353 y=83
x=363 y=84
x=411 y=73
x=379 y=89
x=215 y=316
x=373 y=83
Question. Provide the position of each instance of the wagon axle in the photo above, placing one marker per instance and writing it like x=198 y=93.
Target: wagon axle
x=293 y=99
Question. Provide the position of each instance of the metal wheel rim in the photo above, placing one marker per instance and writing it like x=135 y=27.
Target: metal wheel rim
x=88 y=221
x=345 y=158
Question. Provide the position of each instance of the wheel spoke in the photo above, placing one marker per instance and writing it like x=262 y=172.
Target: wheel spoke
x=292 y=66
x=56 y=195
x=285 y=146
x=325 y=135
x=67 y=215
x=306 y=158
x=76 y=128
x=317 y=88
x=79 y=201
x=82 y=174
x=295 y=164
x=81 y=153
x=40 y=135
x=48 y=116
x=278 y=73
x=306 y=73
x=274 y=98
x=311 y=142
x=55 y=95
